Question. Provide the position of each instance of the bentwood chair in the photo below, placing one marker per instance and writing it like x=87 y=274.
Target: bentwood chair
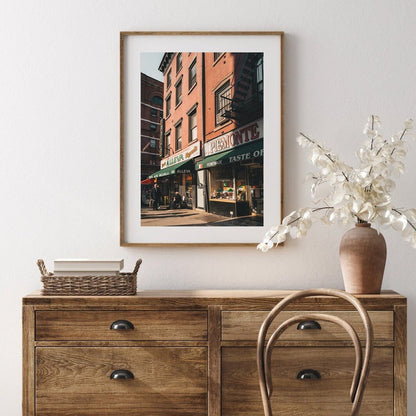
x=265 y=349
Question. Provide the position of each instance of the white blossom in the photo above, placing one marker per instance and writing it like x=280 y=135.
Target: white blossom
x=408 y=124
x=343 y=194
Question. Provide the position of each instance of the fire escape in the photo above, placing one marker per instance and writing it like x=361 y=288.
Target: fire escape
x=247 y=102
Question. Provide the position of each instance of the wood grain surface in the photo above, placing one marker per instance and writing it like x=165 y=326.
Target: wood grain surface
x=328 y=396
x=193 y=354
x=28 y=361
x=76 y=381
x=400 y=362
x=214 y=354
x=95 y=325
x=195 y=299
x=244 y=325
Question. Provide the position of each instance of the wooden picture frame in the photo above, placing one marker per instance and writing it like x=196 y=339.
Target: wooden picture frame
x=201 y=141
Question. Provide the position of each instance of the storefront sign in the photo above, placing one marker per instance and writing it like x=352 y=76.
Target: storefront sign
x=235 y=138
x=246 y=156
x=241 y=157
x=189 y=152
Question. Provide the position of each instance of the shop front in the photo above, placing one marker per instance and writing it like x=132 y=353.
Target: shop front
x=235 y=174
x=177 y=174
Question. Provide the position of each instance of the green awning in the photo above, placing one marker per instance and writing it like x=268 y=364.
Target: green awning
x=242 y=153
x=183 y=167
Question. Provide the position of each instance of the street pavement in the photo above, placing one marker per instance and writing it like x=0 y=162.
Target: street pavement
x=165 y=217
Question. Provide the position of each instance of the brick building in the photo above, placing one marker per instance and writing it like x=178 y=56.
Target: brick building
x=232 y=167
x=151 y=104
x=183 y=124
x=212 y=147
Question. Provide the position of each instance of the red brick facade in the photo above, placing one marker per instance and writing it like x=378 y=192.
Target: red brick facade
x=218 y=98
x=182 y=98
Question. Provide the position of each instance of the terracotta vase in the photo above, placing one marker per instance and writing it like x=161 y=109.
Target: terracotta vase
x=362 y=255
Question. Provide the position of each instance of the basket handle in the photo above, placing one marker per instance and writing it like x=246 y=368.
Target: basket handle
x=42 y=268
x=137 y=267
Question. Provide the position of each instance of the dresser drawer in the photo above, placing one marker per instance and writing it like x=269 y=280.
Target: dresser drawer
x=76 y=381
x=245 y=325
x=327 y=396
x=95 y=325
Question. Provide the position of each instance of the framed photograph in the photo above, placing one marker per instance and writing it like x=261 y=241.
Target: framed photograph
x=201 y=126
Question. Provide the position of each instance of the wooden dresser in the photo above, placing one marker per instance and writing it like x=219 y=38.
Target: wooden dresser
x=178 y=353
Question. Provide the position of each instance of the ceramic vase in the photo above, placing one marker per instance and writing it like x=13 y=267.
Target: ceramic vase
x=362 y=254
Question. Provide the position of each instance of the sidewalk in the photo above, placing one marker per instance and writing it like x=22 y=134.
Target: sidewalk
x=165 y=217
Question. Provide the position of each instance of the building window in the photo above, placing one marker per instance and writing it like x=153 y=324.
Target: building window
x=157 y=100
x=169 y=78
x=161 y=114
x=217 y=55
x=178 y=62
x=167 y=143
x=178 y=136
x=168 y=104
x=259 y=75
x=153 y=143
x=192 y=126
x=192 y=74
x=222 y=103
x=153 y=112
x=179 y=92
x=222 y=183
x=153 y=127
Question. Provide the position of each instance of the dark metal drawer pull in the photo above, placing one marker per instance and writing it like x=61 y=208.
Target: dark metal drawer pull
x=122 y=375
x=308 y=375
x=122 y=325
x=308 y=325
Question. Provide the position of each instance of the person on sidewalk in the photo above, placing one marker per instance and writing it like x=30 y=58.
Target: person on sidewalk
x=156 y=196
x=176 y=201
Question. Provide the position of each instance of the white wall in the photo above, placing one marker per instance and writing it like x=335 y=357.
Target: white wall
x=59 y=132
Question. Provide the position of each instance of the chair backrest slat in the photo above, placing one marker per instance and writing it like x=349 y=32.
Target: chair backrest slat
x=264 y=350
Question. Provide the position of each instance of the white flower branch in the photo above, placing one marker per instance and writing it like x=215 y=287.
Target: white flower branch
x=325 y=152
x=361 y=195
x=407 y=219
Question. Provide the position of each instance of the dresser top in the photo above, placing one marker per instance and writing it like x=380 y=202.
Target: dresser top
x=204 y=298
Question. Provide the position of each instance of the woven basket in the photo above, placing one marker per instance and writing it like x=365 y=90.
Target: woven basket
x=123 y=284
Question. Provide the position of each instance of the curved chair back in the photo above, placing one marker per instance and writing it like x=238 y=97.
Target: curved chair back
x=265 y=349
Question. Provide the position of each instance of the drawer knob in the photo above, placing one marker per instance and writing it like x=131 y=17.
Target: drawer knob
x=308 y=375
x=122 y=325
x=308 y=325
x=122 y=375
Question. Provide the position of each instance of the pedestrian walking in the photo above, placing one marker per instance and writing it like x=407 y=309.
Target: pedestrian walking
x=156 y=196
